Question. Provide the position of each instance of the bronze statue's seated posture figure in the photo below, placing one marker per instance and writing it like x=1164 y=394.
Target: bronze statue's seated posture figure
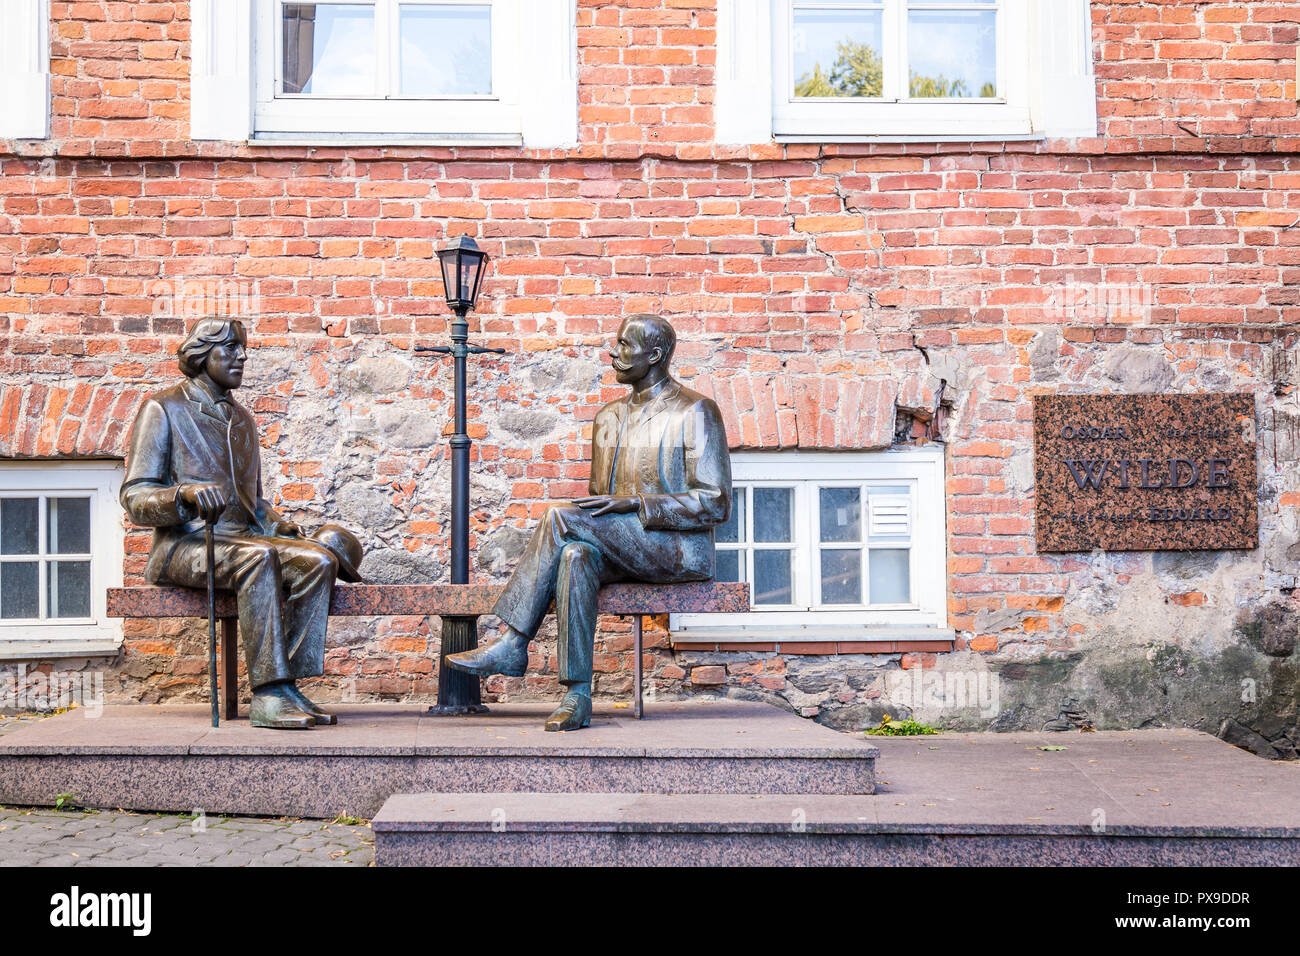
x=660 y=482
x=194 y=457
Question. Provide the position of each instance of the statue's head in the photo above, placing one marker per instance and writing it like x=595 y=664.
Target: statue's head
x=217 y=347
x=644 y=348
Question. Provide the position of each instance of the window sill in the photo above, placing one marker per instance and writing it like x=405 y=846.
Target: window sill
x=912 y=138
x=57 y=650
x=818 y=640
x=384 y=139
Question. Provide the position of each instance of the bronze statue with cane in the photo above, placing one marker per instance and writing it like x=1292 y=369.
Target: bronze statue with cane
x=194 y=470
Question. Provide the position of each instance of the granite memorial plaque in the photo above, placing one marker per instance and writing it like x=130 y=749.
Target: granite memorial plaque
x=1145 y=472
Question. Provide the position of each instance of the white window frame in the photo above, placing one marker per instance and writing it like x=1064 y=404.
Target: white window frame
x=534 y=102
x=922 y=469
x=895 y=113
x=493 y=118
x=101 y=480
x=1045 y=74
x=24 y=69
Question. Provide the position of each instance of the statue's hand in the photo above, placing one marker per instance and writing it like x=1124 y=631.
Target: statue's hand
x=286 y=529
x=205 y=500
x=609 y=504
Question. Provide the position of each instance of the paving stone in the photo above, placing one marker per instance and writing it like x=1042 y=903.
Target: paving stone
x=42 y=837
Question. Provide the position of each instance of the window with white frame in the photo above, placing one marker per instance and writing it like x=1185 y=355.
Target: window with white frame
x=386 y=71
x=848 y=541
x=25 y=69
x=61 y=542
x=826 y=70
x=371 y=68
x=900 y=66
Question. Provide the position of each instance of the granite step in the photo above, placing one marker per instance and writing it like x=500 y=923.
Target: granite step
x=169 y=758
x=691 y=829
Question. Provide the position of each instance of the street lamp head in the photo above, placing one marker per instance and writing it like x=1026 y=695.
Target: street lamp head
x=463 y=264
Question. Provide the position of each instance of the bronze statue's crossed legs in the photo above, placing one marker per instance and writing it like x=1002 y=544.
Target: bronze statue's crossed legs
x=571 y=554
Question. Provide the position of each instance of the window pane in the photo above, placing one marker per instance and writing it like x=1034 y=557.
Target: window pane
x=890 y=579
x=837 y=52
x=729 y=566
x=733 y=530
x=19 y=595
x=329 y=49
x=841 y=577
x=19 y=526
x=446 y=50
x=952 y=53
x=772 y=521
x=772 y=577
x=841 y=514
x=69 y=589
x=68 y=524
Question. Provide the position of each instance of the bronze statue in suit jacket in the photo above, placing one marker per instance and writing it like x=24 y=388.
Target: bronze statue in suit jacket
x=660 y=482
x=194 y=456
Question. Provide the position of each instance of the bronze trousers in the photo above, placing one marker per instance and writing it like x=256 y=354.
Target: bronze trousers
x=571 y=554
x=282 y=589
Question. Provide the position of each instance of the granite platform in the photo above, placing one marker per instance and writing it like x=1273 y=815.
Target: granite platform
x=1147 y=798
x=143 y=757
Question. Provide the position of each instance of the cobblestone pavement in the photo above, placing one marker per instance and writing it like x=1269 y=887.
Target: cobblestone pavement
x=40 y=836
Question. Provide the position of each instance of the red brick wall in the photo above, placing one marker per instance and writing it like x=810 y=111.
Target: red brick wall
x=816 y=288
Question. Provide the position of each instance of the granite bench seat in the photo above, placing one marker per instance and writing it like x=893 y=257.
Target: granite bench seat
x=364 y=600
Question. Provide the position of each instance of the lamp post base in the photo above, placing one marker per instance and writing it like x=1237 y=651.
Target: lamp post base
x=458 y=693
x=456 y=710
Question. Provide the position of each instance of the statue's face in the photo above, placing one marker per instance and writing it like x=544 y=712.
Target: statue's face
x=631 y=359
x=225 y=363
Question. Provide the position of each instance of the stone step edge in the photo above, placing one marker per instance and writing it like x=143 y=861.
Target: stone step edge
x=402 y=813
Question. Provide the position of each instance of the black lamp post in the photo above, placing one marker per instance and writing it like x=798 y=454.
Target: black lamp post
x=463 y=265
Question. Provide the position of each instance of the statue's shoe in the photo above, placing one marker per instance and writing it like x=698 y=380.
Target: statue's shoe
x=272 y=707
x=507 y=656
x=574 y=713
x=306 y=705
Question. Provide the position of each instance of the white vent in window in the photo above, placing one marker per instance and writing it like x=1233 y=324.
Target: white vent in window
x=890 y=515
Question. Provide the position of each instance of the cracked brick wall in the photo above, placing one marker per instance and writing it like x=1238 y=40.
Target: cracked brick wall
x=832 y=296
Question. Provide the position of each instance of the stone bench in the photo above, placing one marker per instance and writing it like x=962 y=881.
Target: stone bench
x=449 y=600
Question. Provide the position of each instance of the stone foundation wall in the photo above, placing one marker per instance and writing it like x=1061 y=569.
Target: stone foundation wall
x=829 y=296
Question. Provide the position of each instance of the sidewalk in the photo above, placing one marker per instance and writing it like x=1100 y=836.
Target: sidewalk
x=43 y=837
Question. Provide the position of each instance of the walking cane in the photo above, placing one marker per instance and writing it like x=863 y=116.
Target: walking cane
x=212 y=619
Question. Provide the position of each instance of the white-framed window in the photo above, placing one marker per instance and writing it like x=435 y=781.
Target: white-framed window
x=369 y=68
x=24 y=69
x=846 y=70
x=848 y=542
x=433 y=72
x=61 y=541
x=900 y=67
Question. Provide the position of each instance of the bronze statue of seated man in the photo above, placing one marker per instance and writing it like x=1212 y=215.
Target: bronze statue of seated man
x=660 y=482
x=194 y=457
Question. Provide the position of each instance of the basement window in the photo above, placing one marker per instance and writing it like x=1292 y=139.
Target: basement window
x=61 y=547
x=848 y=541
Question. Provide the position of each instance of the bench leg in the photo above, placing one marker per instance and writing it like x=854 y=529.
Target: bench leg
x=230 y=666
x=636 y=666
